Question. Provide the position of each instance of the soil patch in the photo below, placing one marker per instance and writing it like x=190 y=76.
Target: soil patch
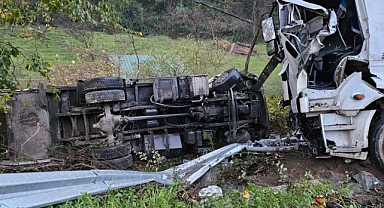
x=267 y=170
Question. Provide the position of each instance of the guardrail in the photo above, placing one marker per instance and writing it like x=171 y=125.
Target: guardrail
x=39 y=189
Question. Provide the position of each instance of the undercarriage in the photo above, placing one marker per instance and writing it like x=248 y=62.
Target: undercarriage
x=112 y=116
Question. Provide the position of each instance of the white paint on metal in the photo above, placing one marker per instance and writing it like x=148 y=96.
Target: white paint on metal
x=302 y=81
x=352 y=85
x=352 y=155
x=323 y=11
x=377 y=69
x=375 y=18
x=341 y=98
x=346 y=131
x=304 y=105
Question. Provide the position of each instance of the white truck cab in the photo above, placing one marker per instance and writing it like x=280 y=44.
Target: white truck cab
x=332 y=60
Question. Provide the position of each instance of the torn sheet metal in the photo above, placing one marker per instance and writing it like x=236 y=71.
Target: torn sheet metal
x=321 y=10
x=191 y=171
x=39 y=189
x=274 y=145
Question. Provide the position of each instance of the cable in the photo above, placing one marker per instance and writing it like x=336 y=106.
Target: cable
x=169 y=106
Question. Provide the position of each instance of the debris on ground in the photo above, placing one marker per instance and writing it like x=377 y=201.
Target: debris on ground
x=246 y=194
x=367 y=181
x=280 y=187
x=212 y=192
x=320 y=200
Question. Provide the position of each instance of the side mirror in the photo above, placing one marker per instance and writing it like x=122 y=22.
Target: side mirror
x=268 y=28
x=272 y=47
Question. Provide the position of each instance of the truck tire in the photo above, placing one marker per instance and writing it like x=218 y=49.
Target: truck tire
x=103 y=83
x=263 y=129
x=104 y=96
x=226 y=80
x=121 y=163
x=108 y=153
x=376 y=144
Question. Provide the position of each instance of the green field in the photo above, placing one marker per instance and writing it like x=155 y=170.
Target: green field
x=60 y=49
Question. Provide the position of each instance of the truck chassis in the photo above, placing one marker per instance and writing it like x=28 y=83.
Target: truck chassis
x=112 y=117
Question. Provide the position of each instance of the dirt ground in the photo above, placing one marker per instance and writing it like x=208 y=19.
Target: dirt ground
x=300 y=162
x=267 y=170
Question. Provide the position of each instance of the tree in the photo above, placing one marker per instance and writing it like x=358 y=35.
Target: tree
x=29 y=14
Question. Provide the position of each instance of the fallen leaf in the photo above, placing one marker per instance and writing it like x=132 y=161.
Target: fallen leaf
x=246 y=194
x=320 y=200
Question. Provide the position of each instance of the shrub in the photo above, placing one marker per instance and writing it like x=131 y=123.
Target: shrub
x=277 y=115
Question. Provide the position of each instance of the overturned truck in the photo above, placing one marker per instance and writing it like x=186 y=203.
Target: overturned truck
x=113 y=116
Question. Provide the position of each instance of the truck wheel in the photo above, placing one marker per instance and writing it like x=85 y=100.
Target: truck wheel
x=376 y=145
x=107 y=153
x=121 y=163
x=104 y=96
x=103 y=83
x=226 y=80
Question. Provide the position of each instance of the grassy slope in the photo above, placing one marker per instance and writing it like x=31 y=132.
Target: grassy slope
x=58 y=48
x=47 y=47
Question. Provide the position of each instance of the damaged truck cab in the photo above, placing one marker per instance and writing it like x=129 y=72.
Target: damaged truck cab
x=332 y=59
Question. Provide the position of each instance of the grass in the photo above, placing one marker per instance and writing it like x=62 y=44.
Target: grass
x=303 y=194
x=48 y=47
x=296 y=191
x=60 y=48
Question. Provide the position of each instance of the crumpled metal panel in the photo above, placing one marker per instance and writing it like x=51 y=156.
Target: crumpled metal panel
x=191 y=171
x=47 y=188
x=323 y=11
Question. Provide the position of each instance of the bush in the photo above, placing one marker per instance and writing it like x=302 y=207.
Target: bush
x=277 y=115
x=184 y=58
